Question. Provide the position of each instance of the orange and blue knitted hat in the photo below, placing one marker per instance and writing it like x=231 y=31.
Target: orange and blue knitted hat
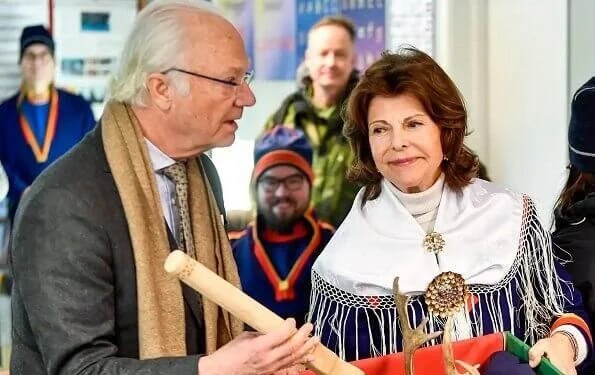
x=282 y=145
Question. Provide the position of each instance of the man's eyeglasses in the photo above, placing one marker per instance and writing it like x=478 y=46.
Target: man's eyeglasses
x=247 y=78
x=293 y=182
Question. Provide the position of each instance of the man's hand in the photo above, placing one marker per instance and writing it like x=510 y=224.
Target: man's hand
x=558 y=350
x=251 y=353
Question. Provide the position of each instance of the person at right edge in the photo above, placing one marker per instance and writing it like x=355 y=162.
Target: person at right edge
x=575 y=208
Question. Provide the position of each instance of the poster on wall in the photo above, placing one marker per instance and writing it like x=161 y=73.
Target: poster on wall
x=90 y=36
x=274 y=39
x=241 y=14
x=368 y=17
x=14 y=16
x=279 y=53
x=412 y=22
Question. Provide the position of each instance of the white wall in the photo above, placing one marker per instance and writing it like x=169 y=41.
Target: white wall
x=582 y=43
x=461 y=38
x=527 y=97
x=269 y=95
x=509 y=58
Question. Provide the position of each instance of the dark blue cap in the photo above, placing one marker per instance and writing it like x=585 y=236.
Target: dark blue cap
x=36 y=34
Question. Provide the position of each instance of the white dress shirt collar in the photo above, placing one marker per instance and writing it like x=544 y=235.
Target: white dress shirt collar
x=159 y=159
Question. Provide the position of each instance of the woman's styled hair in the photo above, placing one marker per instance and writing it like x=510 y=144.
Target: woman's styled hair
x=409 y=71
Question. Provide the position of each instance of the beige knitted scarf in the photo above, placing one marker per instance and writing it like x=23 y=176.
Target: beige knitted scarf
x=161 y=320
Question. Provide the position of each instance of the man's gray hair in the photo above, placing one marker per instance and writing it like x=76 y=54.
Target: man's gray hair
x=155 y=44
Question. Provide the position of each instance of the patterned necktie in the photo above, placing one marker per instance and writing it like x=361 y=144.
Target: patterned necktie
x=177 y=174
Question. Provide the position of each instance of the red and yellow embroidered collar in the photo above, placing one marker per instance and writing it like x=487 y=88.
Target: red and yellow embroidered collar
x=41 y=152
x=285 y=289
x=299 y=231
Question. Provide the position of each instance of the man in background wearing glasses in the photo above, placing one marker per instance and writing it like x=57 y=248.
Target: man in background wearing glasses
x=276 y=252
x=91 y=295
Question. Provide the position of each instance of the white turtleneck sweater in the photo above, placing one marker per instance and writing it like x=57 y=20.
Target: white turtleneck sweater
x=423 y=206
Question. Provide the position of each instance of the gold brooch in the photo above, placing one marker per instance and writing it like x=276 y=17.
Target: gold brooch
x=446 y=294
x=433 y=242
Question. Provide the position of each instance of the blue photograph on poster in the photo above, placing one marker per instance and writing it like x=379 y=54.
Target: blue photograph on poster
x=95 y=21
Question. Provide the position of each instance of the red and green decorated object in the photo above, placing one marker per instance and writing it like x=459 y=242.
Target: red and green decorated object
x=475 y=351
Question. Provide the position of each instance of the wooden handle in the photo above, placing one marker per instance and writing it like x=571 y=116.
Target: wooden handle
x=242 y=306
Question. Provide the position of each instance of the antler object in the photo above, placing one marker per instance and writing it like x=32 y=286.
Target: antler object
x=412 y=338
x=447 y=353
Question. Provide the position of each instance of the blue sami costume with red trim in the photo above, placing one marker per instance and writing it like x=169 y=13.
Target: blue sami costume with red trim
x=275 y=268
x=74 y=120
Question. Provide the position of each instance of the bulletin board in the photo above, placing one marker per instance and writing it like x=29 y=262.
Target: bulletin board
x=90 y=35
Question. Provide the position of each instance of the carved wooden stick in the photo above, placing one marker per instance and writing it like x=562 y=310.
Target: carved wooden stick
x=412 y=338
x=218 y=290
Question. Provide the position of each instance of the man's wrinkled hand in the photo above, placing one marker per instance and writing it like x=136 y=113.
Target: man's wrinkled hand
x=278 y=352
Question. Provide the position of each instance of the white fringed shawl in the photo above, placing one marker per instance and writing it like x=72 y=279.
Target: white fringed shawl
x=492 y=235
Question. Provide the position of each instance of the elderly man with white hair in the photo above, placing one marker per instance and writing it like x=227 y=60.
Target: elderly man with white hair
x=91 y=236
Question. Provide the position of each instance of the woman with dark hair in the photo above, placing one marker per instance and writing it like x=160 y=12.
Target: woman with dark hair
x=575 y=208
x=462 y=248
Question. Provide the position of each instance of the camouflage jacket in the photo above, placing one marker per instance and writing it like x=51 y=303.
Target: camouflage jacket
x=332 y=194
